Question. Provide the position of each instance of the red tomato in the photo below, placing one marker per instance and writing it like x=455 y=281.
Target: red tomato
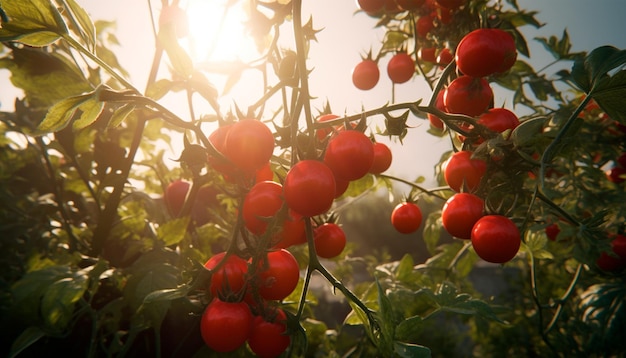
x=269 y=338
x=610 y=263
x=423 y=26
x=341 y=186
x=229 y=277
x=365 y=75
x=264 y=174
x=445 y=57
x=349 y=154
x=619 y=246
x=467 y=95
x=451 y=4
x=462 y=171
x=292 y=232
x=330 y=240
x=382 y=158
x=552 y=231
x=496 y=238
x=621 y=160
x=406 y=217
x=309 y=188
x=175 y=195
x=499 y=119
x=484 y=52
x=280 y=277
x=435 y=121
x=371 y=7
x=400 y=68
x=616 y=174
x=409 y=5
x=322 y=133
x=217 y=139
x=459 y=214
x=249 y=144
x=260 y=204
x=219 y=315
x=427 y=54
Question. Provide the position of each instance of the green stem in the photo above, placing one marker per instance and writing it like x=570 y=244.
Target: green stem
x=304 y=94
x=561 y=302
x=418 y=187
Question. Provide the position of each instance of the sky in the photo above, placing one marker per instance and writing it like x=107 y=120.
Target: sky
x=347 y=35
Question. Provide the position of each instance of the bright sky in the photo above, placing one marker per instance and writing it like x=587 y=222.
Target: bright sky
x=344 y=38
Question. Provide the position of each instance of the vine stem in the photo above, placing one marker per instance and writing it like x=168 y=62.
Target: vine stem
x=418 y=187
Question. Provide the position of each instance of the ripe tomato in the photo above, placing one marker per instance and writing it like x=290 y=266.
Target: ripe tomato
x=382 y=158
x=409 y=5
x=423 y=26
x=435 y=121
x=459 y=214
x=445 y=57
x=371 y=7
x=264 y=174
x=217 y=139
x=463 y=171
x=268 y=337
x=175 y=194
x=219 y=315
x=496 y=238
x=292 y=232
x=552 y=231
x=499 y=119
x=349 y=154
x=230 y=277
x=341 y=186
x=278 y=276
x=616 y=174
x=619 y=246
x=400 y=68
x=261 y=203
x=365 y=75
x=322 y=133
x=610 y=263
x=483 y=52
x=467 y=95
x=249 y=144
x=309 y=187
x=427 y=54
x=451 y=4
x=330 y=240
x=406 y=217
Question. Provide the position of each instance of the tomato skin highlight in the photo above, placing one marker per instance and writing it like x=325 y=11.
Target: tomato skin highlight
x=349 y=154
x=459 y=214
x=406 y=217
x=218 y=315
x=496 y=239
x=330 y=240
x=365 y=75
x=269 y=339
x=309 y=187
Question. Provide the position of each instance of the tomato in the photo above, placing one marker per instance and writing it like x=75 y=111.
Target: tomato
x=451 y=4
x=249 y=145
x=260 y=204
x=365 y=75
x=409 y=5
x=463 y=171
x=496 y=238
x=406 y=217
x=264 y=174
x=400 y=68
x=436 y=122
x=619 y=246
x=484 y=52
x=268 y=337
x=499 y=119
x=427 y=54
x=552 y=231
x=341 y=186
x=330 y=240
x=382 y=158
x=621 y=160
x=175 y=194
x=226 y=326
x=349 y=154
x=371 y=7
x=309 y=187
x=467 y=95
x=322 y=133
x=423 y=26
x=217 y=139
x=445 y=57
x=610 y=263
x=292 y=232
x=229 y=277
x=459 y=214
x=279 y=278
x=205 y=199
x=616 y=174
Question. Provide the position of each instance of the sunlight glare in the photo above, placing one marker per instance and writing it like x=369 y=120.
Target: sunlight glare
x=217 y=33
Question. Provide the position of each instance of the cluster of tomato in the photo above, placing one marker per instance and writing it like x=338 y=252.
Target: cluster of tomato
x=247 y=284
x=429 y=14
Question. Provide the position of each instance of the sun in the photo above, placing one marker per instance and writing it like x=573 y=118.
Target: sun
x=217 y=31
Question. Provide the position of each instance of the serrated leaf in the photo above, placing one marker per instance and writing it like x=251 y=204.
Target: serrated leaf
x=408 y=350
x=29 y=336
x=33 y=22
x=91 y=110
x=173 y=231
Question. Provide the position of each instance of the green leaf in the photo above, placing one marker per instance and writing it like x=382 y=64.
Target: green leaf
x=121 y=114
x=87 y=29
x=159 y=88
x=526 y=133
x=410 y=327
x=588 y=71
x=179 y=59
x=27 y=292
x=29 y=336
x=166 y=294
x=407 y=350
x=57 y=304
x=610 y=94
x=60 y=114
x=432 y=230
x=173 y=231
x=404 y=271
x=33 y=22
x=91 y=110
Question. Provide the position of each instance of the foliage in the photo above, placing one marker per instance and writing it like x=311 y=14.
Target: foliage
x=95 y=262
